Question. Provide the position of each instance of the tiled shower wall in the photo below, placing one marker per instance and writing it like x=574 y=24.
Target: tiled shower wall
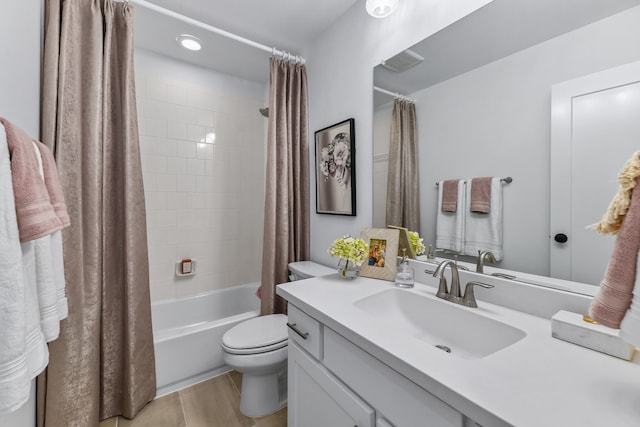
x=204 y=197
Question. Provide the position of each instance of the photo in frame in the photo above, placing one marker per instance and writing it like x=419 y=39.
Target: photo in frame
x=336 y=169
x=404 y=242
x=382 y=260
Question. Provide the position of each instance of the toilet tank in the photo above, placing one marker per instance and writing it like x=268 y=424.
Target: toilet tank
x=305 y=269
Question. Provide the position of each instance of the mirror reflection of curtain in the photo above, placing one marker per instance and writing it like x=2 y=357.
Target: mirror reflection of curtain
x=103 y=363
x=403 y=192
x=286 y=211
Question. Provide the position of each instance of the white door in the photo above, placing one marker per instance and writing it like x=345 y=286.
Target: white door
x=595 y=128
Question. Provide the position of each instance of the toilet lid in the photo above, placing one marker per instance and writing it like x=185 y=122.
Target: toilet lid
x=258 y=333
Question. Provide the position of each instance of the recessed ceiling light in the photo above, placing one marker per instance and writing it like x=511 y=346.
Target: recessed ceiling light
x=381 y=8
x=189 y=42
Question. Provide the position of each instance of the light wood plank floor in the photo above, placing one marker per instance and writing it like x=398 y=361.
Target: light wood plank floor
x=212 y=403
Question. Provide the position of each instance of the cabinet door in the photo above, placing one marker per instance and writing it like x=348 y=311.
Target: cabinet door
x=318 y=399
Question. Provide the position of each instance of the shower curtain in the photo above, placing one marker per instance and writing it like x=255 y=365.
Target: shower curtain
x=403 y=192
x=286 y=212
x=103 y=363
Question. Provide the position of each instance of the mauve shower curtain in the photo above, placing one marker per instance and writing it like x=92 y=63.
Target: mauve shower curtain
x=286 y=211
x=403 y=190
x=103 y=363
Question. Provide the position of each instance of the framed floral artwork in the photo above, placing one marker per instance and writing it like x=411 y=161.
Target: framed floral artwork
x=336 y=169
x=382 y=246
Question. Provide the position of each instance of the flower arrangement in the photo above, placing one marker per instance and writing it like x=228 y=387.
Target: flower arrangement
x=350 y=249
x=336 y=159
x=417 y=243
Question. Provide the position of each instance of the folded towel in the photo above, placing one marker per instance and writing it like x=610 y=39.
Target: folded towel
x=449 y=195
x=484 y=230
x=15 y=382
x=37 y=354
x=616 y=290
x=58 y=274
x=35 y=214
x=630 y=325
x=450 y=225
x=613 y=217
x=480 y=201
x=46 y=288
x=52 y=182
x=23 y=351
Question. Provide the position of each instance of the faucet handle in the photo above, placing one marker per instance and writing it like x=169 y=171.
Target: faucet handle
x=469 y=298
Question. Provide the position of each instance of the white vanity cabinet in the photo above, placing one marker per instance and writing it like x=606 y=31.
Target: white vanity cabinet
x=333 y=382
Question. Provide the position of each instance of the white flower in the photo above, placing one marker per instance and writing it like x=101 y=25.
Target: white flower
x=341 y=153
x=325 y=155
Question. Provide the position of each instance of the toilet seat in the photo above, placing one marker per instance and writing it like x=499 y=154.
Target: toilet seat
x=258 y=335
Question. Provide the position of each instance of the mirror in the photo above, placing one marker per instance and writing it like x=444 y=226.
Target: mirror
x=483 y=107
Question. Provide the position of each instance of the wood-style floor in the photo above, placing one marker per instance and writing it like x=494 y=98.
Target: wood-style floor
x=212 y=403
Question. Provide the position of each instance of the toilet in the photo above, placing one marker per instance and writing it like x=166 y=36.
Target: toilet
x=258 y=349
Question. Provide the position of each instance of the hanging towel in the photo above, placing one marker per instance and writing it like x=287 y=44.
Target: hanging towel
x=613 y=217
x=450 y=225
x=484 y=230
x=630 y=326
x=480 y=200
x=449 y=195
x=35 y=214
x=616 y=290
x=23 y=352
x=52 y=182
x=58 y=275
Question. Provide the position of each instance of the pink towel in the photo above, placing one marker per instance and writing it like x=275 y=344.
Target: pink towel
x=480 y=195
x=36 y=216
x=449 y=195
x=616 y=290
x=52 y=181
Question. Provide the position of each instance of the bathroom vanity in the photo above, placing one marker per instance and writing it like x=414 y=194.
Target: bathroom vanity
x=365 y=353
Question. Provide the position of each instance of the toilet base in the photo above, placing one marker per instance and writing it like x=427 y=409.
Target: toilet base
x=259 y=398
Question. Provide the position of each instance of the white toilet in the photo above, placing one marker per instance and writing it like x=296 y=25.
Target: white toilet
x=258 y=349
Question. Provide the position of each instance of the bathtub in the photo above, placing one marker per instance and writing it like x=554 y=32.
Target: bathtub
x=187 y=333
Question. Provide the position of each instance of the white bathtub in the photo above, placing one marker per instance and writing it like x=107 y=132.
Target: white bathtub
x=187 y=334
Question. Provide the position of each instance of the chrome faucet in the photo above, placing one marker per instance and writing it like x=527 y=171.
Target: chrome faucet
x=453 y=295
x=480 y=261
x=431 y=254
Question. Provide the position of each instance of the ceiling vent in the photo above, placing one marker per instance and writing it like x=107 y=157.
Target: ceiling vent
x=403 y=61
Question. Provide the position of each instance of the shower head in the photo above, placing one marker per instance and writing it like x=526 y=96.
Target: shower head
x=264 y=111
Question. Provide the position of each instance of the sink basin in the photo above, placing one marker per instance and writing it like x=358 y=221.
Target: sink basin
x=450 y=327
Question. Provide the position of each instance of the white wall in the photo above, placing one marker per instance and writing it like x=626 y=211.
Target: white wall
x=495 y=121
x=204 y=201
x=340 y=70
x=20 y=103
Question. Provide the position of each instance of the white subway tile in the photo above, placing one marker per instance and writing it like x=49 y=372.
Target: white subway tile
x=167 y=147
x=176 y=200
x=177 y=130
x=156 y=89
x=204 y=184
x=156 y=200
x=196 y=201
x=195 y=166
x=177 y=95
x=177 y=165
x=166 y=218
x=166 y=182
x=206 y=118
x=186 y=149
x=187 y=115
x=186 y=183
x=156 y=127
x=196 y=133
x=148 y=145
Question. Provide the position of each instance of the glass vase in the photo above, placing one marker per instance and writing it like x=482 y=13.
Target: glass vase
x=347 y=269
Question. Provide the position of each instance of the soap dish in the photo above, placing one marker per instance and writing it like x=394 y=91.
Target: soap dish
x=573 y=328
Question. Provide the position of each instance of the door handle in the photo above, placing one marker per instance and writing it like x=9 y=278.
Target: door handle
x=561 y=238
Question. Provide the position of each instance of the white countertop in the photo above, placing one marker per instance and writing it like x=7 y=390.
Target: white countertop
x=538 y=381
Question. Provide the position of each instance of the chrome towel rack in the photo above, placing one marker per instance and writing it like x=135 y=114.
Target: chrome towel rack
x=506 y=180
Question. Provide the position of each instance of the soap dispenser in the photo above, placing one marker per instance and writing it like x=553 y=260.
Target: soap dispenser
x=405 y=274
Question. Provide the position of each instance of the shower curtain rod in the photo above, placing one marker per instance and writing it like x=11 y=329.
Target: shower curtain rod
x=394 y=94
x=275 y=52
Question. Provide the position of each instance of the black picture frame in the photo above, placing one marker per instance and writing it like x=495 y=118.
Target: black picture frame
x=335 y=165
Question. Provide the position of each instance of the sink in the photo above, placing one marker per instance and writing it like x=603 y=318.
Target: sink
x=450 y=327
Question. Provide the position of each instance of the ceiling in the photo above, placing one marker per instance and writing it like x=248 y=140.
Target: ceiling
x=498 y=29
x=288 y=25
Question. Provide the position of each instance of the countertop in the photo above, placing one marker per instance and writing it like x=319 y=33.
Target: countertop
x=538 y=381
